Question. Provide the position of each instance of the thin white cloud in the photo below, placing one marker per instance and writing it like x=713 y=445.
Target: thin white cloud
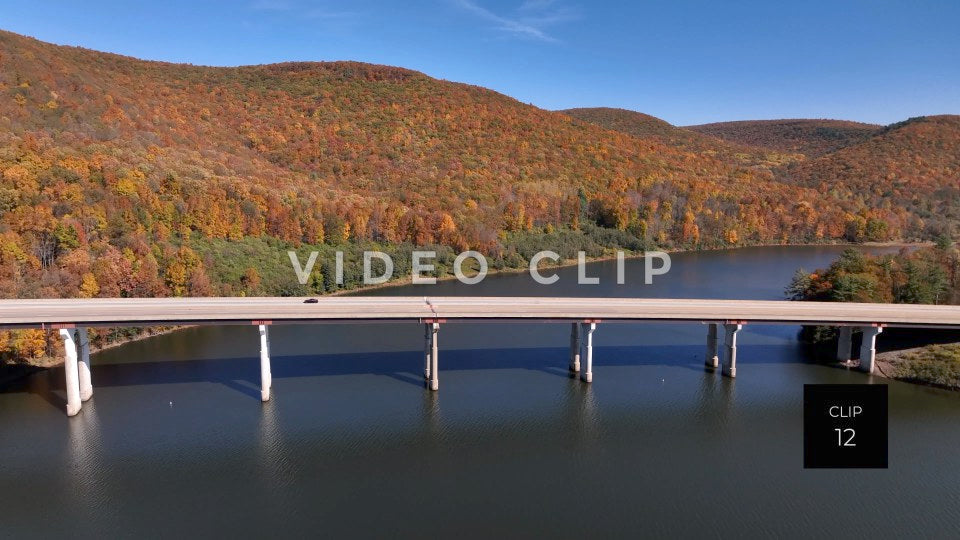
x=529 y=21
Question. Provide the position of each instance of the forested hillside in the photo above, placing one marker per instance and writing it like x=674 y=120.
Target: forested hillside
x=809 y=137
x=649 y=127
x=123 y=177
x=897 y=182
x=911 y=169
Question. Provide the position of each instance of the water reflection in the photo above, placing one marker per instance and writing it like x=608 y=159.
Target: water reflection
x=706 y=393
x=88 y=471
x=351 y=443
x=275 y=466
x=726 y=402
x=587 y=413
x=83 y=450
x=430 y=407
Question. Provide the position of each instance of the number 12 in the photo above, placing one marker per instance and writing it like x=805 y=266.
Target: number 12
x=841 y=433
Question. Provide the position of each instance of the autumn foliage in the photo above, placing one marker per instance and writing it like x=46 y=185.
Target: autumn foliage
x=812 y=138
x=122 y=177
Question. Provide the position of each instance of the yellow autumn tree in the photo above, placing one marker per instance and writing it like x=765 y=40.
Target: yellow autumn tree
x=88 y=286
x=731 y=236
x=179 y=272
x=30 y=343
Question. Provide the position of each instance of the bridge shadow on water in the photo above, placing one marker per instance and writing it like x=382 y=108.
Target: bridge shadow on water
x=242 y=374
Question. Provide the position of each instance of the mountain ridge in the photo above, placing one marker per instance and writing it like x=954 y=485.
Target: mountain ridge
x=908 y=169
x=811 y=137
x=645 y=126
x=106 y=156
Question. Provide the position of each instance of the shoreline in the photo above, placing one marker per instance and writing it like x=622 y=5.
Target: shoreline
x=149 y=332
x=28 y=368
x=888 y=363
x=628 y=255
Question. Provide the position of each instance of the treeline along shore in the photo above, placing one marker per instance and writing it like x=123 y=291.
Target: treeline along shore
x=39 y=349
x=926 y=275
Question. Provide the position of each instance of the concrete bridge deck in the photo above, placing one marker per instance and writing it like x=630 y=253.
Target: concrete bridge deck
x=724 y=319
x=57 y=313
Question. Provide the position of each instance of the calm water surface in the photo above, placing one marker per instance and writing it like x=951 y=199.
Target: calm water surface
x=175 y=442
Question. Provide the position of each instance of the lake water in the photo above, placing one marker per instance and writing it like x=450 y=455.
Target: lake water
x=176 y=443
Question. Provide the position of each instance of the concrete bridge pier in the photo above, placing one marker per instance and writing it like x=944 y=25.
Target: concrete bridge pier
x=434 y=379
x=266 y=378
x=575 y=347
x=845 y=344
x=730 y=346
x=587 y=374
x=83 y=367
x=868 y=349
x=427 y=352
x=72 y=374
x=712 y=360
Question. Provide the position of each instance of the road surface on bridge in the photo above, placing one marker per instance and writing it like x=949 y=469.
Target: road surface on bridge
x=109 y=312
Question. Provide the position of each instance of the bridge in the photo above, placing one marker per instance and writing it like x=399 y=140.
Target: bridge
x=724 y=320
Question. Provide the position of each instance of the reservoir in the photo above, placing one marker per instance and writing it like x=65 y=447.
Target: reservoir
x=176 y=443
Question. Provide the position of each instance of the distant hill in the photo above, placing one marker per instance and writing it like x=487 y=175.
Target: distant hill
x=640 y=125
x=908 y=172
x=911 y=168
x=648 y=127
x=809 y=137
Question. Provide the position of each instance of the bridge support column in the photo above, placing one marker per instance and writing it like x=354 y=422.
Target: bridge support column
x=83 y=367
x=868 y=349
x=712 y=360
x=434 y=378
x=575 y=347
x=266 y=378
x=72 y=375
x=587 y=374
x=427 y=352
x=730 y=346
x=845 y=344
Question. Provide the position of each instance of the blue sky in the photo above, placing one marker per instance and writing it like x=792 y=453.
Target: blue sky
x=685 y=61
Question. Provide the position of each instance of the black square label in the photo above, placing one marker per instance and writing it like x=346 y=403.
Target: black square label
x=845 y=426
